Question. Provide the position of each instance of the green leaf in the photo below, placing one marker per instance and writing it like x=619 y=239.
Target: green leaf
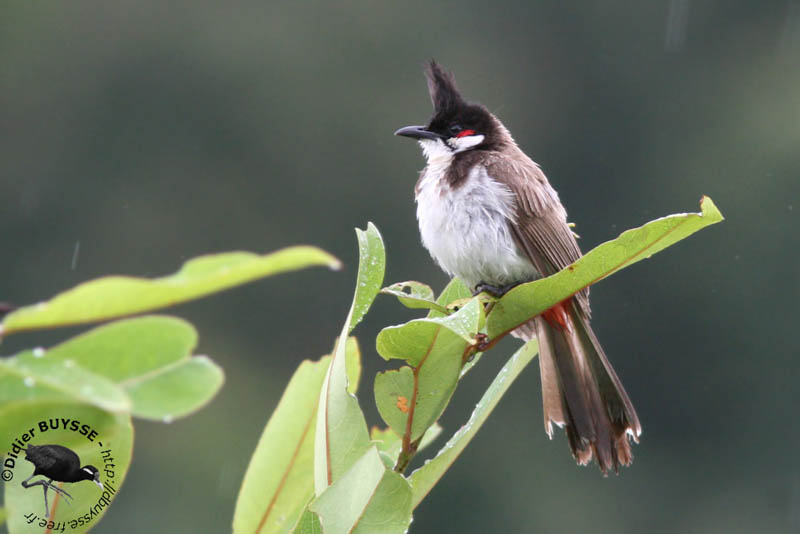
x=434 y=382
x=371 y=268
x=411 y=400
x=115 y=296
x=176 y=390
x=389 y=509
x=454 y=291
x=423 y=479
x=394 y=392
x=437 y=379
x=413 y=340
x=279 y=482
x=149 y=357
x=353 y=367
x=130 y=348
x=341 y=430
x=2 y=516
x=434 y=346
x=389 y=444
x=109 y=451
x=531 y=299
x=367 y=499
x=308 y=524
x=431 y=435
x=280 y=478
x=35 y=376
x=418 y=296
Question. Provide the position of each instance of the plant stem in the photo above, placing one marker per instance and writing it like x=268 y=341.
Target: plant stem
x=406 y=455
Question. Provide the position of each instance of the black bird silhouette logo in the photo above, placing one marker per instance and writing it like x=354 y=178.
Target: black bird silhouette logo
x=60 y=464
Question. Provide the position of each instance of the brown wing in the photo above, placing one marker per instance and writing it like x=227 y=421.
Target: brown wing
x=541 y=228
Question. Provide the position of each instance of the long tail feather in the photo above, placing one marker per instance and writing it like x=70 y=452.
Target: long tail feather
x=580 y=390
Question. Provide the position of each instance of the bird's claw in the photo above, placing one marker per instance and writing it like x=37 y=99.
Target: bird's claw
x=62 y=492
x=495 y=291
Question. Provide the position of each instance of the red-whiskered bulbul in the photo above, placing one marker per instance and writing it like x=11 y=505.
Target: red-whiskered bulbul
x=488 y=215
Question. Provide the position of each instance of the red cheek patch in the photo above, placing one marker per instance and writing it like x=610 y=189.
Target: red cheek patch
x=464 y=133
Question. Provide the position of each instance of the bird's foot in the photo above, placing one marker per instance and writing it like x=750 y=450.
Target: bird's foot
x=61 y=492
x=495 y=291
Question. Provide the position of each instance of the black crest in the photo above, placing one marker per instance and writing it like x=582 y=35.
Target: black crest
x=442 y=88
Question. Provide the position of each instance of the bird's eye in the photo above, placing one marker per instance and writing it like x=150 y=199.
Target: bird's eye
x=455 y=129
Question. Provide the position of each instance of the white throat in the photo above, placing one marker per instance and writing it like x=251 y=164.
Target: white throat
x=435 y=151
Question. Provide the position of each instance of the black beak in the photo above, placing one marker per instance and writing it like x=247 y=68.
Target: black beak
x=418 y=132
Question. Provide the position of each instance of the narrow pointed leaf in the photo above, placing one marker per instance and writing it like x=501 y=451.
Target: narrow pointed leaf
x=115 y=296
x=371 y=268
x=531 y=299
x=341 y=430
x=423 y=479
x=353 y=359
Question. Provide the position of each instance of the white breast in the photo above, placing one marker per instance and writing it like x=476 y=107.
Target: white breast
x=466 y=229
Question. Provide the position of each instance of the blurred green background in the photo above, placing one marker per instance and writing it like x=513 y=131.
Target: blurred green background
x=143 y=133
